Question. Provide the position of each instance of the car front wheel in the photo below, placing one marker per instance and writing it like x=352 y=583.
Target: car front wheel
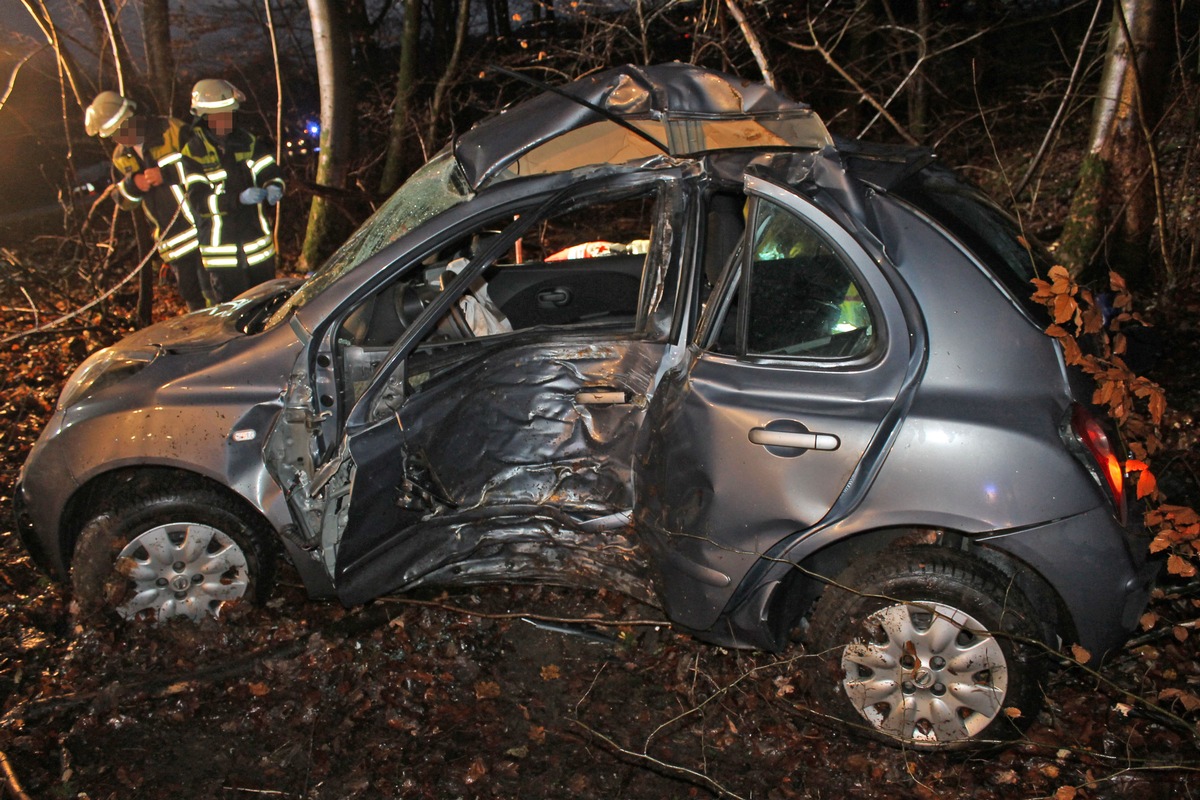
x=162 y=553
x=927 y=648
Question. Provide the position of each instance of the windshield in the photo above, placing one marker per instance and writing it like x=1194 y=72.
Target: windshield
x=997 y=239
x=432 y=189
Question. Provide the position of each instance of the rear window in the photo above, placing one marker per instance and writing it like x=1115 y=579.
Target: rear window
x=996 y=238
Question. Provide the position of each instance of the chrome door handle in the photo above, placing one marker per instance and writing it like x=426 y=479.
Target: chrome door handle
x=802 y=441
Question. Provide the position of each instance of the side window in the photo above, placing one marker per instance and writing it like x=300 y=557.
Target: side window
x=583 y=266
x=803 y=299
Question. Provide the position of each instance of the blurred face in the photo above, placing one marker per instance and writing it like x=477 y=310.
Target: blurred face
x=221 y=122
x=131 y=132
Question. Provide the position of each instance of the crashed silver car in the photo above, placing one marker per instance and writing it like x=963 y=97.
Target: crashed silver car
x=656 y=331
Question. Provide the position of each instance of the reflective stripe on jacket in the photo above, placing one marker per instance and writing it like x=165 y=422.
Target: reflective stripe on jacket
x=170 y=218
x=214 y=174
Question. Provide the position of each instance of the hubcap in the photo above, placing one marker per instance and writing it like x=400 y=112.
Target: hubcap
x=181 y=570
x=926 y=673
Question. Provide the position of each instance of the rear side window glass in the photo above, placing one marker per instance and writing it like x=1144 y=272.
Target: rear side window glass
x=800 y=297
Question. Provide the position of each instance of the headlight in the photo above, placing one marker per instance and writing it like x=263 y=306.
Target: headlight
x=103 y=368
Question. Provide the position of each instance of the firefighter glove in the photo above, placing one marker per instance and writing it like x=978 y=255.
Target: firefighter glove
x=252 y=196
x=274 y=193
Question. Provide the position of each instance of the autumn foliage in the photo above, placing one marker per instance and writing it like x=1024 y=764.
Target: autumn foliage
x=1090 y=333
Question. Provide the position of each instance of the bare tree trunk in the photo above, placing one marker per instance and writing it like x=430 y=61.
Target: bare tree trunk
x=160 y=61
x=405 y=82
x=1114 y=209
x=332 y=45
x=443 y=84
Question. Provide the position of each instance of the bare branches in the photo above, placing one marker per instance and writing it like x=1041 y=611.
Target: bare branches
x=862 y=91
x=752 y=42
x=1052 y=129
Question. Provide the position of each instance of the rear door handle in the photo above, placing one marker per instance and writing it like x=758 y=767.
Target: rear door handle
x=802 y=441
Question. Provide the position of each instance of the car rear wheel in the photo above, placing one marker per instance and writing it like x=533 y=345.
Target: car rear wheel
x=927 y=648
x=164 y=553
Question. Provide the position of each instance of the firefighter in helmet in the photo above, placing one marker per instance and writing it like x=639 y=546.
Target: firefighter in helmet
x=232 y=180
x=145 y=145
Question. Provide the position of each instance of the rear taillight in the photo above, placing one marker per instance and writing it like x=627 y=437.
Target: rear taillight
x=1107 y=465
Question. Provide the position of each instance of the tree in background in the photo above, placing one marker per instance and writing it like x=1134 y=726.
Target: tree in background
x=331 y=43
x=160 y=61
x=1119 y=200
x=405 y=84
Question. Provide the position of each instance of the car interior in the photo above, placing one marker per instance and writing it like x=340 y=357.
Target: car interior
x=583 y=268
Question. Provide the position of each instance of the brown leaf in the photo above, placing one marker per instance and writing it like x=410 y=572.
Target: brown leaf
x=1146 y=485
x=487 y=690
x=1177 y=565
x=1162 y=541
x=1189 y=701
x=550 y=673
x=1148 y=620
x=258 y=689
x=1080 y=654
x=476 y=771
x=1065 y=793
x=1064 y=308
x=1180 y=633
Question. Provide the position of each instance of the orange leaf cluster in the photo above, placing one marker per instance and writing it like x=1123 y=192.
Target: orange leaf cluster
x=1135 y=403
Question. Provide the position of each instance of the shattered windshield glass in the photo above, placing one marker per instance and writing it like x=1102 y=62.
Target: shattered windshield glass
x=435 y=187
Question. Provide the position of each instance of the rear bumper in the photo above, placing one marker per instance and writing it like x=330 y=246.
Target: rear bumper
x=1101 y=570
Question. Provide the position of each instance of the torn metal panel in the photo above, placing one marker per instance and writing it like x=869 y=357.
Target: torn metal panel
x=693 y=110
x=519 y=544
x=548 y=425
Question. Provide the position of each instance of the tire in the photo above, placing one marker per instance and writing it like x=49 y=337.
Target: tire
x=166 y=552
x=927 y=648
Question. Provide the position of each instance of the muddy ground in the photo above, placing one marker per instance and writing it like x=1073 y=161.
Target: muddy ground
x=483 y=694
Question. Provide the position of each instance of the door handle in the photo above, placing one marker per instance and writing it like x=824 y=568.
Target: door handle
x=602 y=397
x=803 y=441
x=554 y=298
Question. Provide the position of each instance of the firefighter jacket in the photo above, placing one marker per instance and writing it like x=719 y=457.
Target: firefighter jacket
x=164 y=206
x=214 y=173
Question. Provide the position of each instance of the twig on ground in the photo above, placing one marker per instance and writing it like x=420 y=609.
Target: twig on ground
x=611 y=623
x=675 y=769
x=11 y=784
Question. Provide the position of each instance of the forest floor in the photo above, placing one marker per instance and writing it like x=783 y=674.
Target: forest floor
x=482 y=694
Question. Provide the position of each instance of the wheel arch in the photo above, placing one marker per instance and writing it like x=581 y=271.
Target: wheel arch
x=101 y=491
x=798 y=589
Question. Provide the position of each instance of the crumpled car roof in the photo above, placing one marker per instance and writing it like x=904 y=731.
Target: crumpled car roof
x=682 y=109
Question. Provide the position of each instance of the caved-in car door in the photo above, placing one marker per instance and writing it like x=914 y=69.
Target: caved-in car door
x=774 y=423
x=500 y=445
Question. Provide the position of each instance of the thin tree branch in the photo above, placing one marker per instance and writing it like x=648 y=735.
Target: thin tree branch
x=684 y=772
x=862 y=91
x=1052 y=130
x=112 y=40
x=752 y=41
